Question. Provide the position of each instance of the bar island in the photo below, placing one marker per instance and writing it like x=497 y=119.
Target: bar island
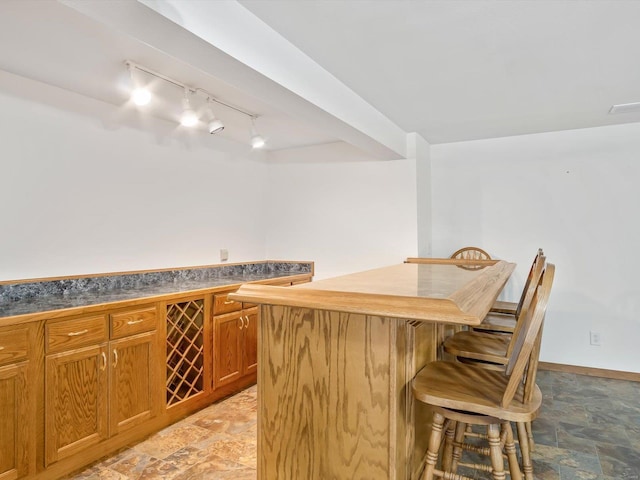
x=336 y=358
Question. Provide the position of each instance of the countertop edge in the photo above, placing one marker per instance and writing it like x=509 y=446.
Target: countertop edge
x=79 y=310
x=411 y=308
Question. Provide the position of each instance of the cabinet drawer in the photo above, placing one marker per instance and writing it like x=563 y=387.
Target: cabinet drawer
x=129 y=322
x=13 y=345
x=78 y=332
x=222 y=304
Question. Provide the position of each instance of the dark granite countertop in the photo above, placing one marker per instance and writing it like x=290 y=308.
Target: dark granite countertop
x=24 y=298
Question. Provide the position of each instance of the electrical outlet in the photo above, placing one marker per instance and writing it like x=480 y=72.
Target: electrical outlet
x=594 y=338
x=224 y=254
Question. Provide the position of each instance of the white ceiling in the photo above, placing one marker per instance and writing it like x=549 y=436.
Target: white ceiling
x=469 y=69
x=362 y=71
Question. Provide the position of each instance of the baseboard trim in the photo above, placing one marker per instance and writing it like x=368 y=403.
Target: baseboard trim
x=591 y=372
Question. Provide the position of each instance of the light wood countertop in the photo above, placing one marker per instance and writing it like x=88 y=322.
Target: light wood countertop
x=435 y=291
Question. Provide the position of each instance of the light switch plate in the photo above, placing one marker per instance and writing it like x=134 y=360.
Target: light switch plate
x=224 y=254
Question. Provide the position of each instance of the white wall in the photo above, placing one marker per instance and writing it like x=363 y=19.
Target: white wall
x=574 y=193
x=341 y=208
x=419 y=148
x=83 y=190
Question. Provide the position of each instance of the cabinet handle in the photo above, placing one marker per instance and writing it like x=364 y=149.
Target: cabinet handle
x=229 y=302
x=247 y=325
x=1 y=348
x=78 y=333
x=104 y=361
x=115 y=356
x=133 y=322
x=241 y=323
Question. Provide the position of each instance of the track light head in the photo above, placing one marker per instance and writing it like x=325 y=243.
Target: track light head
x=215 y=126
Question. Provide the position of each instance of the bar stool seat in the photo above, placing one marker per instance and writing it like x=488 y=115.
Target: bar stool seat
x=481 y=346
x=498 y=322
x=458 y=386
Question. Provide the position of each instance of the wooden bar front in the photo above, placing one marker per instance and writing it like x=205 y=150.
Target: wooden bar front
x=336 y=359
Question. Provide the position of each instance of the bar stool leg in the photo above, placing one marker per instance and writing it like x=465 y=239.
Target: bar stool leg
x=510 y=449
x=461 y=429
x=525 y=450
x=447 y=453
x=497 y=462
x=532 y=444
x=434 y=446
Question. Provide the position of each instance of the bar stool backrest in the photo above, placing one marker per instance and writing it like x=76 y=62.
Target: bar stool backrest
x=471 y=253
x=527 y=290
x=527 y=336
x=526 y=300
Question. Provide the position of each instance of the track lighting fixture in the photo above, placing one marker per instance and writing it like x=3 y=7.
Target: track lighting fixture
x=257 y=141
x=215 y=125
x=189 y=118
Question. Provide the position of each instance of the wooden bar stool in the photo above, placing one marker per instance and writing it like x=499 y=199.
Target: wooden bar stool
x=503 y=315
x=490 y=349
x=462 y=394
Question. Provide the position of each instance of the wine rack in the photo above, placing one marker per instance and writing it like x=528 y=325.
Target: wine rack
x=185 y=350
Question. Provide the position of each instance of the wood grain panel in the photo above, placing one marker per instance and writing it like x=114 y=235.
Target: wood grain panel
x=76 y=401
x=130 y=322
x=223 y=304
x=8 y=421
x=76 y=332
x=227 y=348
x=14 y=345
x=250 y=345
x=133 y=399
x=14 y=423
x=324 y=386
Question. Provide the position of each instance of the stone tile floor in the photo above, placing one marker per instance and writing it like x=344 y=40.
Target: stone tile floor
x=218 y=442
x=588 y=428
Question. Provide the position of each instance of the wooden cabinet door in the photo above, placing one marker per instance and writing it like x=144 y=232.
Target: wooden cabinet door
x=134 y=392
x=250 y=345
x=15 y=425
x=228 y=338
x=76 y=392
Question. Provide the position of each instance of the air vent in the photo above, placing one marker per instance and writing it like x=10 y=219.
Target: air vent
x=625 y=108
